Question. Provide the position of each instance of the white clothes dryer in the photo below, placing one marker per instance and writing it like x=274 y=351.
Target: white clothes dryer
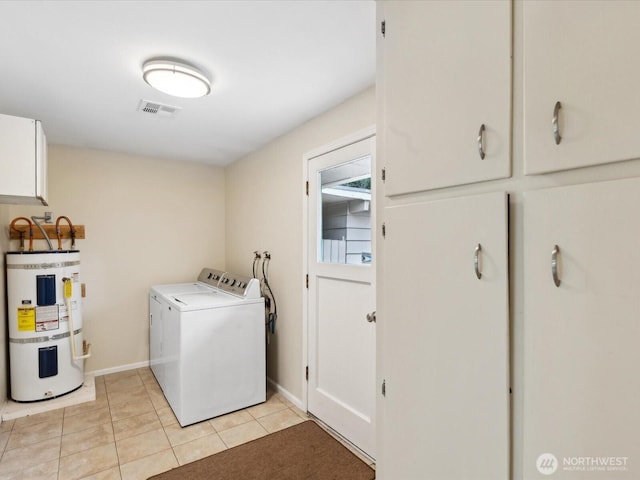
x=210 y=358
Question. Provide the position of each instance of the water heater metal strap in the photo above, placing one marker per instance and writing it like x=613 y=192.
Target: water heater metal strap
x=44 y=338
x=39 y=266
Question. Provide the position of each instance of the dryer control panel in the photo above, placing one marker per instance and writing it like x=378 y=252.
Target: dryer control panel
x=238 y=285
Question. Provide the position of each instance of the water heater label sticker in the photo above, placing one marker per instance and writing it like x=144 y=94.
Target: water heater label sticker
x=64 y=315
x=26 y=319
x=47 y=318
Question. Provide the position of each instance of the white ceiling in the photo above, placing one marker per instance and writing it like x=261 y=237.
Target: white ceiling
x=274 y=64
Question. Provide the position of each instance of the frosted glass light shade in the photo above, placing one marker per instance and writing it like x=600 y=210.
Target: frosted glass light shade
x=176 y=79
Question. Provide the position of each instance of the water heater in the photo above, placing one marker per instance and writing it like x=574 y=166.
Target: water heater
x=43 y=300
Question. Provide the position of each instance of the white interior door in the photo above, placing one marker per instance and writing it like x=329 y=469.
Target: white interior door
x=341 y=340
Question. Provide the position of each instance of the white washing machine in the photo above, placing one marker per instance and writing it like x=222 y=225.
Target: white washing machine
x=207 y=282
x=208 y=345
x=158 y=298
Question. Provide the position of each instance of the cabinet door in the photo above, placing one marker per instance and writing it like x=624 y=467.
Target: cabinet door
x=582 y=54
x=446 y=341
x=17 y=156
x=155 y=338
x=582 y=337
x=445 y=72
x=23 y=161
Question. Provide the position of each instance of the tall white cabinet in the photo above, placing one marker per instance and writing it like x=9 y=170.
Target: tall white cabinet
x=582 y=330
x=447 y=381
x=554 y=318
x=444 y=87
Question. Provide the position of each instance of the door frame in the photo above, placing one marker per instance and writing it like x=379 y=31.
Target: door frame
x=355 y=137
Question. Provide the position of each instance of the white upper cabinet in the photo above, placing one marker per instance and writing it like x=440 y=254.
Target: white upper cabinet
x=445 y=91
x=23 y=161
x=581 y=54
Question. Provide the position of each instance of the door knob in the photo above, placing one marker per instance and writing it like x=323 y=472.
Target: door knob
x=371 y=317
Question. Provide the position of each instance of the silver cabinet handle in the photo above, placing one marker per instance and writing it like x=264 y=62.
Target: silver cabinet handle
x=554 y=265
x=476 y=261
x=371 y=317
x=481 y=141
x=554 y=123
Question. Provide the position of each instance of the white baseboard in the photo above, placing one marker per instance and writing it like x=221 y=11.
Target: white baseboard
x=121 y=368
x=288 y=395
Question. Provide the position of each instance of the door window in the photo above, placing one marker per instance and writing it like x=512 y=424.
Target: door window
x=345 y=221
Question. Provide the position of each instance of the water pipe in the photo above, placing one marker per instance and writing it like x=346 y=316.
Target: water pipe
x=13 y=225
x=72 y=232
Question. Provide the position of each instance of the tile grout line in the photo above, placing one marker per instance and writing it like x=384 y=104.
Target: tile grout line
x=150 y=391
x=155 y=409
x=64 y=415
x=113 y=430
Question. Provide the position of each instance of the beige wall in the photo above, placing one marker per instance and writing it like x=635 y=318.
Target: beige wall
x=264 y=212
x=148 y=221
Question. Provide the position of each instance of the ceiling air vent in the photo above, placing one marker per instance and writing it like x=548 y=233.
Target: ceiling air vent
x=157 y=109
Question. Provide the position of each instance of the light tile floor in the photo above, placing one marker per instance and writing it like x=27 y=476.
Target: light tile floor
x=128 y=432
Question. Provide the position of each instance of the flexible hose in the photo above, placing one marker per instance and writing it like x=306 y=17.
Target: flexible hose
x=256 y=261
x=72 y=232
x=13 y=226
x=271 y=316
x=44 y=234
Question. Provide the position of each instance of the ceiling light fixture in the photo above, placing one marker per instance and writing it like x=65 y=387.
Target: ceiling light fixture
x=177 y=79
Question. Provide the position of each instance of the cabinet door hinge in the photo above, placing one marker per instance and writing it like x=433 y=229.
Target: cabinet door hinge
x=384 y=388
x=307 y=189
x=384 y=231
x=384 y=174
x=307 y=281
x=383 y=28
x=306 y=373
